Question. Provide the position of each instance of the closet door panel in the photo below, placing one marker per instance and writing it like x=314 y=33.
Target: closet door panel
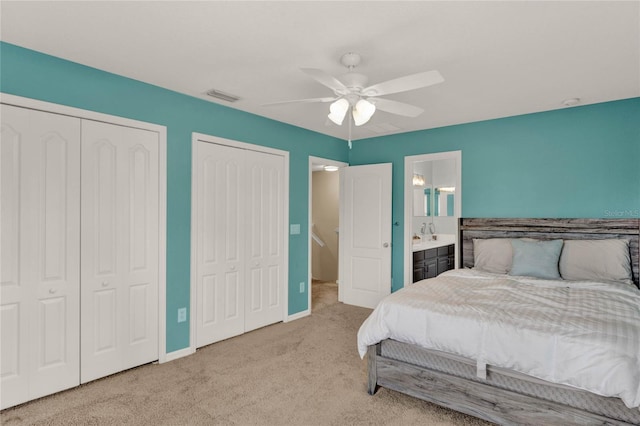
x=10 y=206
x=141 y=230
x=264 y=241
x=14 y=371
x=40 y=256
x=102 y=234
x=120 y=247
x=219 y=263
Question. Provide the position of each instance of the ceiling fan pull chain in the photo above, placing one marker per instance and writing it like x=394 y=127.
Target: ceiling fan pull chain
x=350 y=118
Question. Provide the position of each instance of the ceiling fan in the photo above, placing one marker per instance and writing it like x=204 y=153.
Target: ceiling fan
x=351 y=92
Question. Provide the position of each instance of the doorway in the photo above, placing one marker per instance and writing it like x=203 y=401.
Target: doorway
x=432 y=204
x=324 y=185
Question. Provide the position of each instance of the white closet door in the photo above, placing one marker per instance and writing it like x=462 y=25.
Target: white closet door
x=265 y=239
x=220 y=228
x=119 y=248
x=40 y=161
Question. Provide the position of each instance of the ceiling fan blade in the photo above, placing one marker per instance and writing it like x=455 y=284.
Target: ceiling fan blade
x=403 y=84
x=302 y=101
x=326 y=79
x=395 y=107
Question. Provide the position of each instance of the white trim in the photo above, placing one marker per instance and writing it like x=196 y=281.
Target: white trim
x=192 y=256
x=244 y=145
x=326 y=162
x=195 y=137
x=297 y=316
x=20 y=101
x=180 y=353
x=162 y=245
x=408 y=203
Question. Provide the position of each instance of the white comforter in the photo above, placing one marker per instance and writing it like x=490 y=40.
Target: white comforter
x=577 y=333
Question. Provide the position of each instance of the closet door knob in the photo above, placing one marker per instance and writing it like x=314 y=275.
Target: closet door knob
x=233 y=268
x=105 y=283
x=385 y=245
x=52 y=291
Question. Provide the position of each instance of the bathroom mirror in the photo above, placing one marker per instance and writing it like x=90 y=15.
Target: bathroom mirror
x=432 y=204
x=434 y=187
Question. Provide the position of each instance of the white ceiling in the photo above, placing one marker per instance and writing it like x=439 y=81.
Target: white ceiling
x=498 y=58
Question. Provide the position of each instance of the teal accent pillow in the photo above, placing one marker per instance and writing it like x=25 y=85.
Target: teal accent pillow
x=536 y=258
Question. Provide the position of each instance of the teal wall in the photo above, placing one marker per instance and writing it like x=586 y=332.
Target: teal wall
x=575 y=162
x=38 y=76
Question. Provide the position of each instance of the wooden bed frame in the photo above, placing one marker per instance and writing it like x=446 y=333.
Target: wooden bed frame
x=484 y=400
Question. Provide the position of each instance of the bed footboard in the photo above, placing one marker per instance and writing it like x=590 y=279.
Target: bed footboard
x=470 y=397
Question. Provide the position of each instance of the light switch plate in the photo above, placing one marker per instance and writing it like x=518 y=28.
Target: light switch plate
x=182 y=314
x=294 y=229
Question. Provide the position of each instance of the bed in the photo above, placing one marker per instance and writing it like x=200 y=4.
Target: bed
x=586 y=371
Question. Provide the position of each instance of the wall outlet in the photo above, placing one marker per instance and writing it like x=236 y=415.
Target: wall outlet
x=302 y=287
x=182 y=314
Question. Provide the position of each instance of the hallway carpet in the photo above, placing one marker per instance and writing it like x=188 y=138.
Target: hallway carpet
x=323 y=294
x=305 y=372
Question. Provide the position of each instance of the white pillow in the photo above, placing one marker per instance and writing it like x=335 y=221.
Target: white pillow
x=596 y=260
x=492 y=254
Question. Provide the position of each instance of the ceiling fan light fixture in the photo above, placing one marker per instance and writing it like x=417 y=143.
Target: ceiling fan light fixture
x=363 y=111
x=338 y=110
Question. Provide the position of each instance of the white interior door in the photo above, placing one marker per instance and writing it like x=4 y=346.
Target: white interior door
x=264 y=239
x=40 y=196
x=119 y=240
x=220 y=267
x=365 y=234
x=239 y=240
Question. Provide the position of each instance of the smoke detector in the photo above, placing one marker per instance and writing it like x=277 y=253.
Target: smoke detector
x=571 y=102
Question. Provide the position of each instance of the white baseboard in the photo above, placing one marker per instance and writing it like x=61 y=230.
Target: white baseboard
x=178 y=354
x=298 y=315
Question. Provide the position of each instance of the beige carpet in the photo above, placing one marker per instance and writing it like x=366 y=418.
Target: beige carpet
x=323 y=294
x=306 y=372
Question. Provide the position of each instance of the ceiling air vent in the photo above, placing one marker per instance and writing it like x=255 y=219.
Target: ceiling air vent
x=223 y=96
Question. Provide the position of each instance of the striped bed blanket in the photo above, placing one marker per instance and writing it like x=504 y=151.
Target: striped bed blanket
x=583 y=334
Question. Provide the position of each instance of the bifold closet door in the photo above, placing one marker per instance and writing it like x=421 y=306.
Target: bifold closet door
x=220 y=231
x=264 y=246
x=119 y=229
x=40 y=268
x=239 y=241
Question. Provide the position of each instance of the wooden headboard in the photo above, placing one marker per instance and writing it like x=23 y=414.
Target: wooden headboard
x=548 y=229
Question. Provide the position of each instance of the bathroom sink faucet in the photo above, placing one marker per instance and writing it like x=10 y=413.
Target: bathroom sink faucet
x=431 y=230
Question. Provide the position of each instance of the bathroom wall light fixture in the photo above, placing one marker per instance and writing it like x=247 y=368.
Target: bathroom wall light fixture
x=446 y=189
x=418 y=180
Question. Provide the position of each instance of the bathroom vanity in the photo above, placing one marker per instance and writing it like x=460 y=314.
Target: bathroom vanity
x=431 y=258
